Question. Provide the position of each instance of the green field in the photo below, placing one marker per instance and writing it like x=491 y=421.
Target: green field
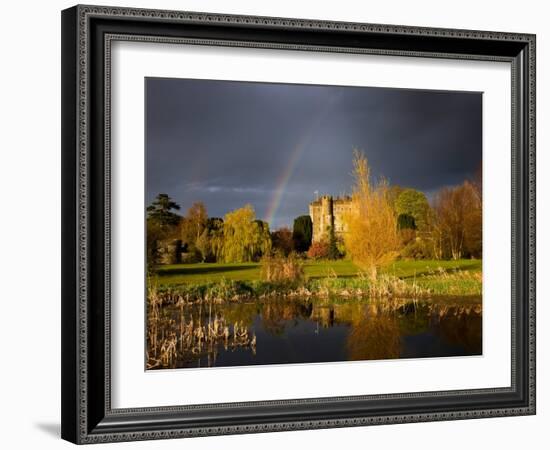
x=212 y=272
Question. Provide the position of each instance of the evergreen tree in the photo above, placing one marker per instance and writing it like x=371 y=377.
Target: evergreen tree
x=333 y=252
x=302 y=233
x=161 y=212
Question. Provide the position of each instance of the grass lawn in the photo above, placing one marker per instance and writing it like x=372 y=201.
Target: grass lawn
x=411 y=269
x=211 y=272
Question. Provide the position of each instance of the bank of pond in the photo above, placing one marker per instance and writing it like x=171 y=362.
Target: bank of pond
x=459 y=283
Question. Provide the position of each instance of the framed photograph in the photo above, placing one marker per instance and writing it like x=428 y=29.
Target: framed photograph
x=279 y=224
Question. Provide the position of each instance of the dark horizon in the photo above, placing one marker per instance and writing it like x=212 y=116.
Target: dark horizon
x=272 y=145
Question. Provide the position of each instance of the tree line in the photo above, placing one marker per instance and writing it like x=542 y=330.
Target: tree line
x=386 y=222
x=237 y=237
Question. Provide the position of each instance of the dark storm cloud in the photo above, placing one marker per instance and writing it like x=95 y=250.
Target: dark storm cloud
x=231 y=143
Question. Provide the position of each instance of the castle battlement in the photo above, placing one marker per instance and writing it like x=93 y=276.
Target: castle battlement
x=328 y=211
x=335 y=200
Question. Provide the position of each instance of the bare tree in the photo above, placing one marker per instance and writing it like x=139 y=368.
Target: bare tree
x=458 y=212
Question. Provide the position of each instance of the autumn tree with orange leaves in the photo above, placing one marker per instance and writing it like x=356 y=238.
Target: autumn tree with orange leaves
x=372 y=239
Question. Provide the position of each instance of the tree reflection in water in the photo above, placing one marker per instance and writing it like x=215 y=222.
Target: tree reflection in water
x=233 y=334
x=374 y=335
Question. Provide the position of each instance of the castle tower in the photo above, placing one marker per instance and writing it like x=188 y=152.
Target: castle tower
x=327 y=212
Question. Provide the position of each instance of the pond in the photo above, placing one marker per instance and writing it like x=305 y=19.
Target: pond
x=307 y=330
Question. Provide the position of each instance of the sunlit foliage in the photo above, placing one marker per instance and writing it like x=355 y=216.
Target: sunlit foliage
x=372 y=239
x=244 y=237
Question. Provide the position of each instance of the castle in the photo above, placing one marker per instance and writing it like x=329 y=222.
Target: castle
x=327 y=212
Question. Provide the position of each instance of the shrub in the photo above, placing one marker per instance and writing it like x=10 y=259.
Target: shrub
x=417 y=249
x=191 y=256
x=281 y=269
x=319 y=250
x=407 y=236
x=281 y=240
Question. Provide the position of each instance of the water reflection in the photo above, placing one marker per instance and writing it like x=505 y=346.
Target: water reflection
x=278 y=332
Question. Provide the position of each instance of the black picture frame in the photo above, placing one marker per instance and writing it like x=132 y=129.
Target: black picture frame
x=87 y=415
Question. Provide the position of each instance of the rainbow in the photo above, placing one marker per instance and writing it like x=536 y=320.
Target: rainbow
x=283 y=178
x=299 y=148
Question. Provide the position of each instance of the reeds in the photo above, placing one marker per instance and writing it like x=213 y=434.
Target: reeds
x=154 y=299
x=385 y=286
x=454 y=282
x=172 y=341
x=284 y=277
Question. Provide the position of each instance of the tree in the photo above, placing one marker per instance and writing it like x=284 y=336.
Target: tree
x=282 y=241
x=161 y=211
x=263 y=243
x=394 y=191
x=458 y=215
x=477 y=181
x=333 y=252
x=415 y=204
x=372 y=239
x=244 y=238
x=193 y=223
x=214 y=223
x=216 y=244
x=161 y=225
x=214 y=226
x=473 y=221
x=302 y=233
x=435 y=235
x=203 y=245
x=406 y=222
x=407 y=230
x=155 y=233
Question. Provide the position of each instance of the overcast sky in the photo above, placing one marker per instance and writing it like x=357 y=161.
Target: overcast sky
x=274 y=146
